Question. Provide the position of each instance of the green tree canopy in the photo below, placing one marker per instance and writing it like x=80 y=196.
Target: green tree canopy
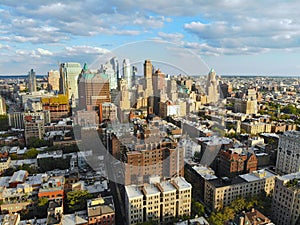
x=76 y=200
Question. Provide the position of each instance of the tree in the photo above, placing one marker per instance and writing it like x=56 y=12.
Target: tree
x=289 y=109
x=43 y=201
x=31 y=153
x=76 y=200
x=238 y=205
x=4 y=126
x=197 y=208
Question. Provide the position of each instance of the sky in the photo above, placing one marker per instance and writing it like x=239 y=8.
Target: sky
x=235 y=37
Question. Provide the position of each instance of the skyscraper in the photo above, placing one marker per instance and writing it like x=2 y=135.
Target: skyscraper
x=212 y=86
x=127 y=75
x=115 y=65
x=148 y=71
x=53 y=80
x=93 y=89
x=69 y=73
x=107 y=68
x=31 y=81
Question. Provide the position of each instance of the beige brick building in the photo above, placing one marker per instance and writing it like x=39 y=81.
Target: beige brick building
x=160 y=202
x=221 y=192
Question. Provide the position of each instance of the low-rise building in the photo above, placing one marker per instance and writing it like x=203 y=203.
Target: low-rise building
x=101 y=211
x=253 y=217
x=53 y=189
x=10 y=219
x=4 y=164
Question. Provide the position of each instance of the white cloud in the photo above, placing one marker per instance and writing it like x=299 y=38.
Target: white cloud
x=84 y=49
x=44 y=51
x=173 y=37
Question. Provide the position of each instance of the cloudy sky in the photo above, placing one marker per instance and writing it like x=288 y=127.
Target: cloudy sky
x=232 y=36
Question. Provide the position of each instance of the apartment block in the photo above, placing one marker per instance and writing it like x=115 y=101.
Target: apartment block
x=286 y=202
x=288 y=153
x=158 y=201
x=221 y=192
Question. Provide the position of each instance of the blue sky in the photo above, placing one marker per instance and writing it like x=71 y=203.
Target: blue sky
x=233 y=36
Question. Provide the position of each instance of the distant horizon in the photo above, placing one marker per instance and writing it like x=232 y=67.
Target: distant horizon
x=225 y=75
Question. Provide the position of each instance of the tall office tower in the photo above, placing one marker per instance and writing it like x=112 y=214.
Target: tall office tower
x=172 y=89
x=148 y=71
x=158 y=83
x=127 y=75
x=159 y=91
x=115 y=65
x=31 y=81
x=285 y=202
x=2 y=106
x=212 y=87
x=93 y=89
x=53 y=80
x=288 y=153
x=107 y=68
x=134 y=72
x=124 y=101
x=69 y=73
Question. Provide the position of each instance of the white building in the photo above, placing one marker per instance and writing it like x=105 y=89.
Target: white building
x=288 y=153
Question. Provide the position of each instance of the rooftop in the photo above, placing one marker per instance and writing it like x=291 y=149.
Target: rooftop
x=182 y=183
x=133 y=191
x=150 y=189
x=167 y=186
x=100 y=206
x=257 y=175
x=19 y=176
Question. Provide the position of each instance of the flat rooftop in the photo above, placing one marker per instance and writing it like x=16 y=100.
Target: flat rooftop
x=150 y=189
x=182 y=183
x=257 y=175
x=167 y=186
x=133 y=191
x=291 y=176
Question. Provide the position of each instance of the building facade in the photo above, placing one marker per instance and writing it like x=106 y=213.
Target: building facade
x=53 y=80
x=31 y=81
x=2 y=106
x=93 y=90
x=212 y=87
x=158 y=201
x=101 y=211
x=285 y=203
x=288 y=152
x=221 y=192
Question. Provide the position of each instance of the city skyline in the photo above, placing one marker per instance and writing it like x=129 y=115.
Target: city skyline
x=236 y=37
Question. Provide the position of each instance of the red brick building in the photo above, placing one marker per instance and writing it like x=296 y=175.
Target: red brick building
x=231 y=163
x=150 y=155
